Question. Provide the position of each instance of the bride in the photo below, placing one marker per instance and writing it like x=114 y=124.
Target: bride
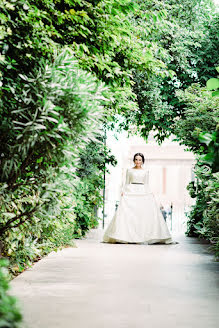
x=138 y=218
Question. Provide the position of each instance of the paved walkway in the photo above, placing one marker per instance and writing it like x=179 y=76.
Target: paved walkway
x=99 y=285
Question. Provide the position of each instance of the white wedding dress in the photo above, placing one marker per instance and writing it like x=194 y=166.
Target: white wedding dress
x=138 y=218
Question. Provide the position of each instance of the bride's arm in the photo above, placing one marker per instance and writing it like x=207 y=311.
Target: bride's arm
x=126 y=181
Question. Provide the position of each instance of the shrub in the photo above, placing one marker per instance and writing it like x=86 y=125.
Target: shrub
x=10 y=316
x=46 y=133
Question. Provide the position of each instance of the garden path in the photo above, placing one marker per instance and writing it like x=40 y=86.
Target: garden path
x=99 y=285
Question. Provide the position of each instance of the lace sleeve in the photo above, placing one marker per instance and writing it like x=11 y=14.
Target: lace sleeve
x=127 y=177
x=125 y=181
x=146 y=178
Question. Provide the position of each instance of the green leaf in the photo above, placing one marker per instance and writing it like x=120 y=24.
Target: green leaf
x=9 y=215
x=213 y=84
x=215 y=93
x=208 y=157
x=205 y=138
x=39 y=160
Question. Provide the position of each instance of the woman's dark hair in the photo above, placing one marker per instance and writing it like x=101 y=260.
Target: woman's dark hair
x=139 y=154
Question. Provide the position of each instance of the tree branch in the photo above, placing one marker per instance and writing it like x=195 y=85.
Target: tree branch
x=18 y=217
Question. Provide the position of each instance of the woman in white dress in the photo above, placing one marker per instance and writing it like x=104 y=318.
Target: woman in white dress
x=138 y=218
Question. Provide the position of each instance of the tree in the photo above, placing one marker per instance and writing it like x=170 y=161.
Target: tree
x=199 y=131
x=189 y=51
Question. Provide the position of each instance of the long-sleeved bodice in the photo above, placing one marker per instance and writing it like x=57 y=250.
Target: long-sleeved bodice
x=136 y=176
x=136 y=181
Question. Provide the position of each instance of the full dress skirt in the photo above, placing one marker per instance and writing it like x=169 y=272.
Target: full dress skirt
x=138 y=218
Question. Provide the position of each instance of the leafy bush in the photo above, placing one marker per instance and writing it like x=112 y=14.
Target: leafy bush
x=45 y=136
x=101 y=33
x=90 y=169
x=204 y=215
x=54 y=110
x=199 y=131
x=71 y=200
x=201 y=112
x=184 y=38
x=10 y=316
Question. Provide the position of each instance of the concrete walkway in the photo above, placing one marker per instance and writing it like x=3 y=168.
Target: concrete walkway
x=99 y=285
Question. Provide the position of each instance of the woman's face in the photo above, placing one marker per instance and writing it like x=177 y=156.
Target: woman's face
x=138 y=161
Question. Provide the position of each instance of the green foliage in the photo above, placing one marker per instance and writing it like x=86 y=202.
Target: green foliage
x=212 y=139
x=155 y=113
x=67 y=209
x=49 y=227
x=213 y=84
x=212 y=156
x=90 y=169
x=196 y=190
x=199 y=131
x=186 y=39
x=54 y=110
x=204 y=215
x=10 y=316
x=201 y=113
x=101 y=34
x=42 y=138
x=55 y=103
